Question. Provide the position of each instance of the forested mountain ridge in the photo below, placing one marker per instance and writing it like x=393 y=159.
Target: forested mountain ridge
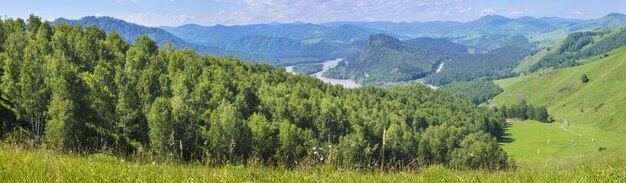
x=442 y=45
x=581 y=45
x=82 y=90
x=496 y=64
x=220 y=34
x=129 y=31
x=387 y=59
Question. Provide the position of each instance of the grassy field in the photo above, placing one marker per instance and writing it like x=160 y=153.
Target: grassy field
x=596 y=109
x=36 y=165
x=535 y=141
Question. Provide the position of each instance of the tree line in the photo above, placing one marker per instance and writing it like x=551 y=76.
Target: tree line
x=581 y=46
x=79 y=89
x=525 y=111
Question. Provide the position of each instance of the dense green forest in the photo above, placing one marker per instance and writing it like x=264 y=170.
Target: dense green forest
x=442 y=45
x=496 y=64
x=580 y=46
x=79 y=89
x=476 y=92
x=308 y=69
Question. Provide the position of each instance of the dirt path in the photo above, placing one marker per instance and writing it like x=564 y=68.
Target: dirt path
x=440 y=67
x=581 y=135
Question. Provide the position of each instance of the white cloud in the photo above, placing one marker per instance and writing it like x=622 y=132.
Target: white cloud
x=319 y=11
x=487 y=11
x=316 y=11
x=150 y=19
x=517 y=13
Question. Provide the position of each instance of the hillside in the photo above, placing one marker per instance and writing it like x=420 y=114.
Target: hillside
x=129 y=31
x=549 y=39
x=387 y=59
x=442 y=45
x=599 y=102
x=345 y=34
x=220 y=34
x=595 y=110
x=581 y=45
x=489 y=66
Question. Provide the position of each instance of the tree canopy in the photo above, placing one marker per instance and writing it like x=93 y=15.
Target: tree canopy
x=85 y=90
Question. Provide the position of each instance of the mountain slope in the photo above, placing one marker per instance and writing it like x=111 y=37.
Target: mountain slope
x=598 y=103
x=581 y=45
x=345 y=34
x=594 y=110
x=128 y=31
x=442 y=45
x=220 y=34
x=609 y=21
x=387 y=59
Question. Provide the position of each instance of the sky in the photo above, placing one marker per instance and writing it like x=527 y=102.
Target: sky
x=240 y=12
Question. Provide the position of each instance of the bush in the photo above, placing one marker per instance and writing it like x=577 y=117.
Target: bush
x=584 y=78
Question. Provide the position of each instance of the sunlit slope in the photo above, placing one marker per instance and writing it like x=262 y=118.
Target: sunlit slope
x=533 y=141
x=600 y=103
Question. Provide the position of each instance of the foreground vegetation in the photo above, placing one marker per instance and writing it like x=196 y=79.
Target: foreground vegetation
x=80 y=90
x=36 y=165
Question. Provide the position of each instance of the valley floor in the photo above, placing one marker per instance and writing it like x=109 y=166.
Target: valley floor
x=36 y=165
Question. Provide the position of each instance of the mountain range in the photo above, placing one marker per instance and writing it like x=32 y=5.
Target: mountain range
x=295 y=43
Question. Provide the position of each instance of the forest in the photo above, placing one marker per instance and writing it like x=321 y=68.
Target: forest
x=79 y=89
x=580 y=46
x=476 y=92
x=387 y=59
x=494 y=65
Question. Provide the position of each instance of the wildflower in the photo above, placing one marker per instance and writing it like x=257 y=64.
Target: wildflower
x=122 y=160
x=314 y=148
x=153 y=163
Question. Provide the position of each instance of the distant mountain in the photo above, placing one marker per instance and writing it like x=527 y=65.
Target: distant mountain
x=493 y=41
x=612 y=20
x=442 y=45
x=128 y=31
x=280 y=47
x=387 y=59
x=489 y=32
x=220 y=34
x=402 y=30
x=549 y=39
x=559 y=22
x=345 y=34
x=581 y=45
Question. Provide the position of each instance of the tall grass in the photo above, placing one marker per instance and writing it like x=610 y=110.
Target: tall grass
x=39 y=165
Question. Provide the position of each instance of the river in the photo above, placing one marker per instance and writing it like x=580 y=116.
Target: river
x=329 y=64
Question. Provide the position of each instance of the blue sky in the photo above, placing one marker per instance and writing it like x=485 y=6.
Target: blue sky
x=234 y=12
